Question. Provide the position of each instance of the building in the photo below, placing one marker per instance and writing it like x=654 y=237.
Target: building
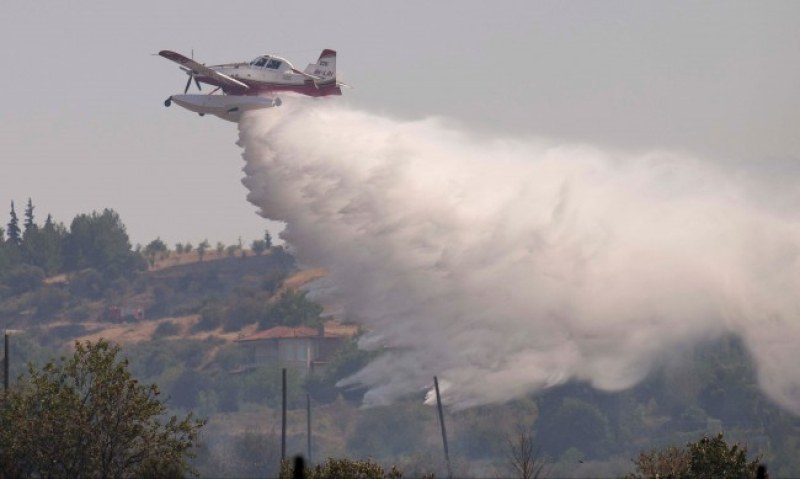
x=302 y=347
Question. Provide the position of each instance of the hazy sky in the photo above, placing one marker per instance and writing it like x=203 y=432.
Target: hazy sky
x=82 y=125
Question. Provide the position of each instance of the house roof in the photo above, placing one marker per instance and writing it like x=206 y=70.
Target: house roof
x=331 y=329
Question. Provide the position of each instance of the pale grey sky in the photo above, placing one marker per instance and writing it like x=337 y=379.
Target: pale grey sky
x=82 y=125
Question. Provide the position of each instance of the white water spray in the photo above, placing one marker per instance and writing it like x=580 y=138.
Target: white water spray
x=505 y=267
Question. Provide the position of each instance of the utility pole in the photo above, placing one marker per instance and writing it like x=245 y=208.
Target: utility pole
x=308 y=428
x=6 y=374
x=444 y=431
x=283 y=416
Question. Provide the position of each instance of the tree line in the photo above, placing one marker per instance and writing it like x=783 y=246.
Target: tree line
x=97 y=240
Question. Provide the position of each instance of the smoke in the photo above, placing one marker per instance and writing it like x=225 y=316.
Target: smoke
x=505 y=267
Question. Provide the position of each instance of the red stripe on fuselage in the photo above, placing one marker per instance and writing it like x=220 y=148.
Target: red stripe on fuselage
x=258 y=88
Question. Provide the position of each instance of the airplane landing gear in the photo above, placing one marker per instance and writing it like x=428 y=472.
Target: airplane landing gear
x=168 y=102
x=202 y=114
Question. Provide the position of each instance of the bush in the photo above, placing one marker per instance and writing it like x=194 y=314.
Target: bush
x=24 y=278
x=272 y=280
x=80 y=312
x=334 y=468
x=389 y=431
x=210 y=317
x=166 y=328
x=185 y=389
x=245 y=311
x=49 y=300
x=88 y=283
x=292 y=309
x=67 y=331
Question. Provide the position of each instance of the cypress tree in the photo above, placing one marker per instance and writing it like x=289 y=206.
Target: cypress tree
x=29 y=224
x=13 y=228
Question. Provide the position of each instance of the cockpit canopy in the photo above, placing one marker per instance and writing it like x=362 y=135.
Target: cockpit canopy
x=271 y=62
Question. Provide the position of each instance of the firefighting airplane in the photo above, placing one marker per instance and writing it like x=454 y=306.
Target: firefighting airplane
x=251 y=86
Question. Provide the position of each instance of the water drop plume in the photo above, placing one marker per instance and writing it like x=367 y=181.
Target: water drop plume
x=505 y=266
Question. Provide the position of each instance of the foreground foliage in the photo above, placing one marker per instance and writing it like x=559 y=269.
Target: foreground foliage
x=708 y=458
x=334 y=468
x=87 y=416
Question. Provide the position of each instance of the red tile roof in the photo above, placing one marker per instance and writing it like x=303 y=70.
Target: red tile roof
x=332 y=329
x=280 y=332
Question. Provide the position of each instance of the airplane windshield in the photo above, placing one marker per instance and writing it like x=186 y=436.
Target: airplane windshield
x=259 y=62
x=274 y=64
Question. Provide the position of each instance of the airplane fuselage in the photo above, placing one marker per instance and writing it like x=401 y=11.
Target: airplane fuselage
x=253 y=85
x=268 y=74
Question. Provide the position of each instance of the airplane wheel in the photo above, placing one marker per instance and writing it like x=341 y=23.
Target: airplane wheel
x=202 y=114
x=168 y=102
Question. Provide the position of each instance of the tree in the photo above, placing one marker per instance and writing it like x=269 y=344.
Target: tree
x=293 y=309
x=153 y=249
x=258 y=247
x=268 y=239
x=669 y=462
x=708 y=458
x=202 y=248
x=712 y=458
x=43 y=246
x=29 y=223
x=100 y=241
x=86 y=416
x=334 y=468
x=524 y=457
x=13 y=227
x=220 y=248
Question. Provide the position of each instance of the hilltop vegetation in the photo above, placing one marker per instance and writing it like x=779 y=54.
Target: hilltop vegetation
x=176 y=311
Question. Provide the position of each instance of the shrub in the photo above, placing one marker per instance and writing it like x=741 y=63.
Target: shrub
x=24 y=278
x=334 y=468
x=88 y=283
x=166 y=328
x=49 y=300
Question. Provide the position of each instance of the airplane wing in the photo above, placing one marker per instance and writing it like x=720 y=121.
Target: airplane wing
x=200 y=69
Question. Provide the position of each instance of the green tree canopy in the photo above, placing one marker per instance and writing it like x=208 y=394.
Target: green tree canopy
x=258 y=247
x=293 y=309
x=30 y=224
x=86 y=416
x=14 y=234
x=154 y=249
x=42 y=247
x=100 y=241
x=708 y=458
x=202 y=248
x=343 y=468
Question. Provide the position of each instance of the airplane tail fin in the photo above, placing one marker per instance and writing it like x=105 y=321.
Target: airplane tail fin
x=325 y=67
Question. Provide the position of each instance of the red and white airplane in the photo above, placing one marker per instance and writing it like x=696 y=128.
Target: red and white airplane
x=250 y=86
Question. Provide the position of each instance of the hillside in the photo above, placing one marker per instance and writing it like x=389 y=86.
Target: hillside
x=178 y=319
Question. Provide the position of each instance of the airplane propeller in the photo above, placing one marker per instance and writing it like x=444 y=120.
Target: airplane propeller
x=189 y=82
x=191 y=74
